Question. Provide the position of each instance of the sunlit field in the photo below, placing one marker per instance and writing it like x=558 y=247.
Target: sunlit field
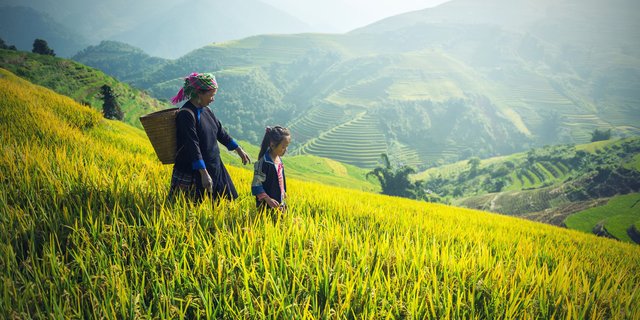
x=86 y=232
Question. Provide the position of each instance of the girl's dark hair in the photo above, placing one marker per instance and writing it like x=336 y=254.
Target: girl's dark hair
x=272 y=134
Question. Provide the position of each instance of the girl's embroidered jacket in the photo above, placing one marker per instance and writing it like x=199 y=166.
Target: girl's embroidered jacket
x=265 y=179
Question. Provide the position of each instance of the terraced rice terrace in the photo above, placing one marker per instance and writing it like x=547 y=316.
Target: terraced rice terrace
x=366 y=93
x=316 y=121
x=531 y=96
x=539 y=174
x=359 y=142
x=517 y=202
x=403 y=155
x=432 y=153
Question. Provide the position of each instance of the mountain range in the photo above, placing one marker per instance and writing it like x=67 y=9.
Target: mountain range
x=168 y=29
x=20 y=26
x=428 y=87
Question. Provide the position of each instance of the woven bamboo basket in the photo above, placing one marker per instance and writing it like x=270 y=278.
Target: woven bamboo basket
x=160 y=127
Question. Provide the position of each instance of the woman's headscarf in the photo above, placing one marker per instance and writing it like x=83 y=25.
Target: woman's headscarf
x=193 y=83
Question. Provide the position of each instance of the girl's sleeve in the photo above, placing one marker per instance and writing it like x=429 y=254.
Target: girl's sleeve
x=257 y=188
x=224 y=137
x=186 y=127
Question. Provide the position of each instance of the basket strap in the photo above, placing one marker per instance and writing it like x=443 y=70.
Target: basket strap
x=194 y=117
x=191 y=112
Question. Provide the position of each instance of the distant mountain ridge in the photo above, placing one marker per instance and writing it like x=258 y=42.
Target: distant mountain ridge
x=426 y=91
x=554 y=21
x=168 y=29
x=20 y=26
x=192 y=24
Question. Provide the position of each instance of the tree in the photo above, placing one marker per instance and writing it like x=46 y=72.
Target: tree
x=110 y=107
x=395 y=181
x=475 y=164
x=41 y=47
x=600 y=135
x=4 y=46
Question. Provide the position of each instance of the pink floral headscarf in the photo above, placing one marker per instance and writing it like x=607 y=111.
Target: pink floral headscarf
x=193 y=83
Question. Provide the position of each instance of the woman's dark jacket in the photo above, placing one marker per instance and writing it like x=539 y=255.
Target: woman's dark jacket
x=197 y=145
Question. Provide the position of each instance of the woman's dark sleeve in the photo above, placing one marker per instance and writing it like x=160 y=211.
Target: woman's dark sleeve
x=224 y=137
x=186 y=127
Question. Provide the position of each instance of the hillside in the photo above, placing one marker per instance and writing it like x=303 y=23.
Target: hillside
x=617 y=219
x=550 y=184
x=429 y=87
x=79 y=82
x=83 y=85
x=133 y=63
x=87 y=233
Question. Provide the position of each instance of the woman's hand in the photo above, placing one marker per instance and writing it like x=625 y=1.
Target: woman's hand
x=243 y=155
x=272 y=203
x=207 y=182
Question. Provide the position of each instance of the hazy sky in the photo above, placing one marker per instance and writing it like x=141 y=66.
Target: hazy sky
x=346 y=15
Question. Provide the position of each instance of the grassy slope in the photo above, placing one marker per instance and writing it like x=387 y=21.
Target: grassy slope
x=86 y=233
x=454 y=169
x=634 y=164
x=327 y=171
x=539 y=198
x=83 y=84
x=79 y=82
x=616 y=216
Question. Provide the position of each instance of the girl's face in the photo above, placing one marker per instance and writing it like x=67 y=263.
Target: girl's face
x=281 y=148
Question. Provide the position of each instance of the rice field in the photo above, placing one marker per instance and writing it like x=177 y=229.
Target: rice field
x=316 y=121
x=359 y=142
x=616 y=216
x=86 y=232
x=517 y=202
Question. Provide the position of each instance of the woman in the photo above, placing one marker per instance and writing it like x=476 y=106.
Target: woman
x=198 y=167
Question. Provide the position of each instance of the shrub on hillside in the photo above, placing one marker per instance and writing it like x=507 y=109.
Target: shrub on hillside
x=5 y=46
x=42 y=47
x=600 y=135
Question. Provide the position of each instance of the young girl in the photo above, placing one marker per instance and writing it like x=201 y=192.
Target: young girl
x=269 y=183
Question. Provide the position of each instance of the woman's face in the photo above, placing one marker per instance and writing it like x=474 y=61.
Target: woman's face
x=207 y=97
x=281 y=148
